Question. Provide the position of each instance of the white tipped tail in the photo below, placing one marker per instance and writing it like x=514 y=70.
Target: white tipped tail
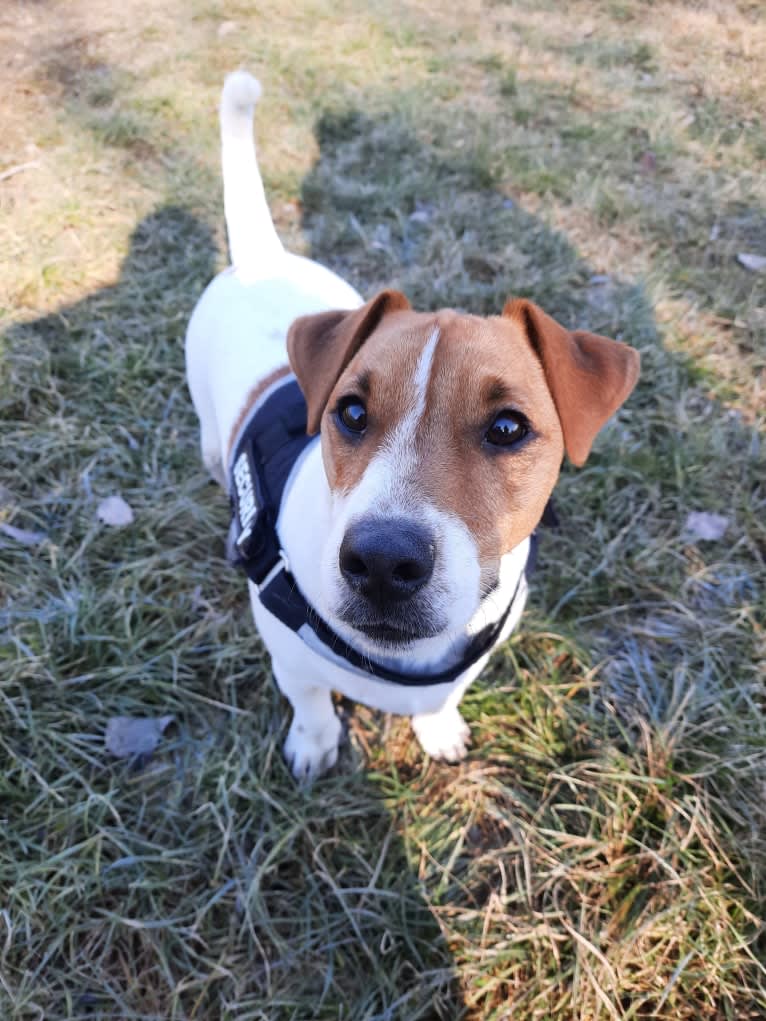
x=253 y=241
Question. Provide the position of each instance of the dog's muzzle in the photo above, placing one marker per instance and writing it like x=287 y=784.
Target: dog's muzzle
x=386 y=563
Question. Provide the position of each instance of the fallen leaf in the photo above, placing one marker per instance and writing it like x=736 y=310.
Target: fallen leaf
x=423 y=212
x=22 y=535
x=129 y=736
x=115 y=511
x=701 y=525
x=755 y=263
x=648 y=162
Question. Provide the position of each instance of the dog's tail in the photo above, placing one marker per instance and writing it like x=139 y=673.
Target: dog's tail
x=252 y=237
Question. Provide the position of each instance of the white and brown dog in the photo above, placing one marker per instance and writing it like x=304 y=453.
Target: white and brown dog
x=405 y=528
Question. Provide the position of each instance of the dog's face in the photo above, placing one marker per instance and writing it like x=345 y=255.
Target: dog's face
x=442 y=438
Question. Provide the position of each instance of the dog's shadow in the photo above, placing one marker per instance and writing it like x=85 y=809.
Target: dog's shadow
x=311 y=898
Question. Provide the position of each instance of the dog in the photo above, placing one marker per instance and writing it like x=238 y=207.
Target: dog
x=425 y=447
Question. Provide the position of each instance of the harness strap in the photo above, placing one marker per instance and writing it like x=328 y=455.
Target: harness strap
x=267 y=448
x=281 y=596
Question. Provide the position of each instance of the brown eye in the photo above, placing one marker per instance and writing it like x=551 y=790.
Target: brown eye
x=352 y=415
x=508 y=429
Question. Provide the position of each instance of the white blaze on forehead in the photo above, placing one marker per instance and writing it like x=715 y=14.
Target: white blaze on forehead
x=396 y=458
x=395 y=463
x=386 y=485
x=398 y=447
x=423 y=372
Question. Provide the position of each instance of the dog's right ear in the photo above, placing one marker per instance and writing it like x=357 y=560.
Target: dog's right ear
x=321 y=346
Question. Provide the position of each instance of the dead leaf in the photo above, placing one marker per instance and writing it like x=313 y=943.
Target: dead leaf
x=702 y=525
x=129 y=736
x=115 y=511
x=755 y=263
x=423 y=212
x=648 y=162
x=22 y=535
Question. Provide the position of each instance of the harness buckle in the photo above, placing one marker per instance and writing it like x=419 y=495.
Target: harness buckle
x=282 y=564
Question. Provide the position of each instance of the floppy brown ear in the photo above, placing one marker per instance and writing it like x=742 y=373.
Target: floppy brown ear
x=588 y=376
x=321 y=346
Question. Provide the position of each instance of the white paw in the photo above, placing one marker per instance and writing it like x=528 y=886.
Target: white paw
x=443 y=735
x=311 y=752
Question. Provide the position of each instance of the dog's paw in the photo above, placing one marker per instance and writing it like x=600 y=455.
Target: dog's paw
x=443 y=735
x=309 y=752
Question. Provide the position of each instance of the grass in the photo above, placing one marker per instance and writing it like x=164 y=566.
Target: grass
x=600 y=855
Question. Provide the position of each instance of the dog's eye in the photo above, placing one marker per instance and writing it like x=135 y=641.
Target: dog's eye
x=508 y=428
x=352 y=415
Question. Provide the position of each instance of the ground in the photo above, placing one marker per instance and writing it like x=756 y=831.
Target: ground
x=600 y=854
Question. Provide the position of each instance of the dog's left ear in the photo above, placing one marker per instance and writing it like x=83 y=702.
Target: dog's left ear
x=588 y=376
x=321 y=346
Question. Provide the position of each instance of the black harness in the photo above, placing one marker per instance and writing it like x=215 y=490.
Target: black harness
x=266 y=450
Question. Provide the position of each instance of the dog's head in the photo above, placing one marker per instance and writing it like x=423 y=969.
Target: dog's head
x=442 y=438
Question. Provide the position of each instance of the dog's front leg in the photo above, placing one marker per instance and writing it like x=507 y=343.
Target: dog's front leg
x=312 y=741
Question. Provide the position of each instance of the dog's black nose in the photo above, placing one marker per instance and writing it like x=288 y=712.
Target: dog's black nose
x=387 y=561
